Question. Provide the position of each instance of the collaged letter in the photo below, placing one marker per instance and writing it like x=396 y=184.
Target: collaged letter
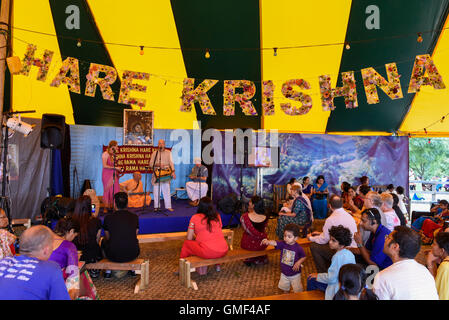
x=289 y=93
x=371 y=79
x=73 y=81
x=267 y=98
x=244 y=99
x=127 y=86
x=189 y=96
x=348 y=90
x=43 y=64
x=104 y=83
x=418 y=77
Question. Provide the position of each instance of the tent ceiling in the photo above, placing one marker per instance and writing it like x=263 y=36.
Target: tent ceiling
x=240 y=36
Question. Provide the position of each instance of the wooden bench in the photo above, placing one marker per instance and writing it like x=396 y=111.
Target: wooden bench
x=161 y=237
x=140 y=266
x=305 y=295
x=189 y=264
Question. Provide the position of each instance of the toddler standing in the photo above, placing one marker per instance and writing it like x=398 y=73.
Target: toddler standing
x=292 y=256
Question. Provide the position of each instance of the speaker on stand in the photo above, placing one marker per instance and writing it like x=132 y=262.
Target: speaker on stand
x=52 y=137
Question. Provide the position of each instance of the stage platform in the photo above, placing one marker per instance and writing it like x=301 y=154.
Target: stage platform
x=176 y=221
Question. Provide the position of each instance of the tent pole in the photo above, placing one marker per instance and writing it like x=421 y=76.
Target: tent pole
x=4 y=29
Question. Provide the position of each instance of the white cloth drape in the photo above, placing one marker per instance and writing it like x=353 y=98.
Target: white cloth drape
x=193 y=190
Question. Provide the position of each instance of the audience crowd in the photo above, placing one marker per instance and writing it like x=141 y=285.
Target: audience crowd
x=365 y=250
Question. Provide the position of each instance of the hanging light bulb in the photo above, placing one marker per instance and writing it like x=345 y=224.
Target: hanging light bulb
x=78 y=43
x=275 y=51
x=419 y=39
x=207 y=54
x=347 y=46
x=141 y=51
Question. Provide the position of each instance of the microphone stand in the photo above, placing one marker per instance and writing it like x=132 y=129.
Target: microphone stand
x=113 y=181
x=198 y=175
x=159 y=184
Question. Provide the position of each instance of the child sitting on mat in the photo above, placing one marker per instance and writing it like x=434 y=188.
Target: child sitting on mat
x=292 y=256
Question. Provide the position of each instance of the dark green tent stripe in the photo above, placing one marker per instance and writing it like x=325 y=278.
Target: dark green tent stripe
x=400 y=17
x=87 y=110
x=221 y=26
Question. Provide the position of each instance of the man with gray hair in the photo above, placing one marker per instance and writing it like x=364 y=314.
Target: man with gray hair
x=372 y=200
x=30 y=276
x=197 y=188
x=392 y=219
x=321 y=253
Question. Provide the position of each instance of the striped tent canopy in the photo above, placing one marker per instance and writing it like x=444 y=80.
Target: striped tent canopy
x=254 y=40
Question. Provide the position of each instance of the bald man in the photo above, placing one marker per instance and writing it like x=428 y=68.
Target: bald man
x=134 y=188
x=30 y=276
x=162 y=159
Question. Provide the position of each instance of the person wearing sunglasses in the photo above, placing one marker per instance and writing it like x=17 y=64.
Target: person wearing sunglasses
x=371 y=253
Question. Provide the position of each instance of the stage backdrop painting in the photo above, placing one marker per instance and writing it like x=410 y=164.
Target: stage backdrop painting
x=339 y=158
x=87 y=147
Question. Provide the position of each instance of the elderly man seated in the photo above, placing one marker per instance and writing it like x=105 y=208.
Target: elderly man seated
x=133 y=187
x=197 y=188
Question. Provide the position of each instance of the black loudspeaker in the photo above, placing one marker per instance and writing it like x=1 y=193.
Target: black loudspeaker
x=228 y=203
x=52 y=131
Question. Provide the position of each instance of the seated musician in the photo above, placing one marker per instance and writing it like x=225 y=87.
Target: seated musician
x=198 y=183
x=134 y=188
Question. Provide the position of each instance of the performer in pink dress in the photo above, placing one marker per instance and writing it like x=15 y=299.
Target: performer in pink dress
x=110 y=181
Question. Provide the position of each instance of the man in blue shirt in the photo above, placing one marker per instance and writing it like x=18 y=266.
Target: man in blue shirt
x=372 y=251
x=30 y=276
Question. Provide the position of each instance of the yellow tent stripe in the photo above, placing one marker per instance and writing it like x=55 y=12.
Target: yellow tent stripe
x=149 y=23
x=292 y=23
x=28 y=93
x=429 y=104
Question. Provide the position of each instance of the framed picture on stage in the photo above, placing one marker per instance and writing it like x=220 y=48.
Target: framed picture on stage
x=138 y=127
x=267 y=157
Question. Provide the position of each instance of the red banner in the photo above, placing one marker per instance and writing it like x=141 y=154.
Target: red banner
x=134 y=158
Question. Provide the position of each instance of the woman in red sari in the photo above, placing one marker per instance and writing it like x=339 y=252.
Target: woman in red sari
x=254 y=224
x=110 y=181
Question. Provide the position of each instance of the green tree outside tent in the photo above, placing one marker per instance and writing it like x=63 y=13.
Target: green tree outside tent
x=428 y=160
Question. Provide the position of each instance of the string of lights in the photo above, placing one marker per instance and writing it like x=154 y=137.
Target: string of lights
x=179 y=80
x=208 y=51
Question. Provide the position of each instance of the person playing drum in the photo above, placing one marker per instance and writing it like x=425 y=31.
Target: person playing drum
x=133 y=187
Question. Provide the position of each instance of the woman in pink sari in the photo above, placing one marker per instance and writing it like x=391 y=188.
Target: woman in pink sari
x=110 y=185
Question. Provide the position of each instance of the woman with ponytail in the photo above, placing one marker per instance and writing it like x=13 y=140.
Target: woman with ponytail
x=352 y=279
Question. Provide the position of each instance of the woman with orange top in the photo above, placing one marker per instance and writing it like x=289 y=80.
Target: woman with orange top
x=204 y=235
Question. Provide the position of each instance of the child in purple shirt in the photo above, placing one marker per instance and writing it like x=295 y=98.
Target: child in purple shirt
x=292 y=256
